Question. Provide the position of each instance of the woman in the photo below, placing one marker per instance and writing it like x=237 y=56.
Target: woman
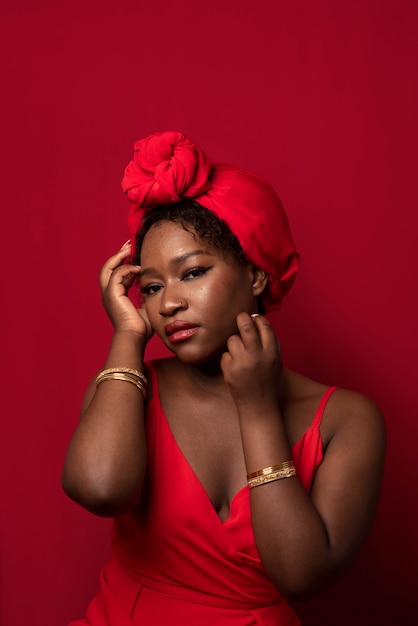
x=234 y=482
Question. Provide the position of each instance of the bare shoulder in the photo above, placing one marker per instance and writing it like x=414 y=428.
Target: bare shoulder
x=346 y=413
x=359 y=431
x=355 y=408
x=165 y=367
x=347 y=483
x=169 y=374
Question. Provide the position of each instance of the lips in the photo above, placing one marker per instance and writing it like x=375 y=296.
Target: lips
x=180 y=331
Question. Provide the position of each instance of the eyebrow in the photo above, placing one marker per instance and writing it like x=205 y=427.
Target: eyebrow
x=178 y=260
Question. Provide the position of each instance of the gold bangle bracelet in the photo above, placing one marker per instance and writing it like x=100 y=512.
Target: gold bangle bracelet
x=269 y=470
x=124 y=377
x=116 y=375
x=122 y=370
x=268 y=478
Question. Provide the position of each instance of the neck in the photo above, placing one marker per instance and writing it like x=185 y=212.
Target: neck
x=208 y=374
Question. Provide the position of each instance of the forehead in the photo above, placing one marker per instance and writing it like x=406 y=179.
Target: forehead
x=167 y=237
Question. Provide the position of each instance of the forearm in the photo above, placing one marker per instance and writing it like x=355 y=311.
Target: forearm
x=290 y=535
x=106 y=459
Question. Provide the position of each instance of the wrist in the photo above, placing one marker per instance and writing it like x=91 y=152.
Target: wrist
x=259 y=409
x=127 y=349
x=264 y=440
x=131 y=336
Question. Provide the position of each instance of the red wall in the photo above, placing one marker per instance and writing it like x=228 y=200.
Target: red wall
x=321 y=98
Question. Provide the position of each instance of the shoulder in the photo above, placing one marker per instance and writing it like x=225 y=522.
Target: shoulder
x=357 y=420
x=163 y=367
x=347 y=414
x=165 y=371
x=353 y=437
x=350 y=405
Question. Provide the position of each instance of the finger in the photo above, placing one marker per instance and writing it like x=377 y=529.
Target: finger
x=143 y=314
x=266 y=333
x=235 y=346
x=116 y=259
x=113 y=262
x=123 y=275
x=226 y=359
x=248 y=331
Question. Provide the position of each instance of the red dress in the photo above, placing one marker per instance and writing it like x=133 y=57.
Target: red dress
x=175 y=562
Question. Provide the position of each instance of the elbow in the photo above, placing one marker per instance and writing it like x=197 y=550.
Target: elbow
x=306 y=590
x=302 y=584
x=99 y=497
x=299 y=590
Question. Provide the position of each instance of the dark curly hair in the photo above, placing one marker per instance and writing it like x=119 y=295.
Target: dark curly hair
x=192 y=215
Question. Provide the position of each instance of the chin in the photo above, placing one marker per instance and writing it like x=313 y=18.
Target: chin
x=191 y=355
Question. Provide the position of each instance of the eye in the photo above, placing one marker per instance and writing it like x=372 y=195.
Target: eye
x=195 y=272
x=150 y=290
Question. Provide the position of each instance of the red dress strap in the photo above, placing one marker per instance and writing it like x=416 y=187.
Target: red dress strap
x=321 y=408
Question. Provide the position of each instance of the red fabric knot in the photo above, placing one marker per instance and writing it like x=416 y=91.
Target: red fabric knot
x=166 y=167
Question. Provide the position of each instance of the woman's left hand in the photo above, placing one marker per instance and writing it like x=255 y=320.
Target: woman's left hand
x=252 y=365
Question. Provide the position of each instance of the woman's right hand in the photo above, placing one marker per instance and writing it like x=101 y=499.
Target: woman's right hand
x=116 y=278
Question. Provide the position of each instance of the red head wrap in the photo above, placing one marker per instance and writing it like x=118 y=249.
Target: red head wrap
x=168 y=166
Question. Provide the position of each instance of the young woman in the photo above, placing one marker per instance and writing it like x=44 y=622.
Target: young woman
x=234 y=482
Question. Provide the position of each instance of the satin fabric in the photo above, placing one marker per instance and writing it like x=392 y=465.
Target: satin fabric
x=168 y=167
x=175 y=562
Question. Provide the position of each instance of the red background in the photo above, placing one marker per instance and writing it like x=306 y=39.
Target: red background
x=319 y=97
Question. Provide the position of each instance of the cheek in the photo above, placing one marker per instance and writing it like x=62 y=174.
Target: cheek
x=237 y=292
x=212 y=297
x=151 y=308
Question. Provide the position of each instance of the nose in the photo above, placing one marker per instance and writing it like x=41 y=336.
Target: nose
x=171 y=302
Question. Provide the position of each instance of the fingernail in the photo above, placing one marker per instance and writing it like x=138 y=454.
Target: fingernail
x=126 y=244
x=255 y=314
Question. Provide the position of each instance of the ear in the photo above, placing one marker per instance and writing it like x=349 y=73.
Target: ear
x=259 y=280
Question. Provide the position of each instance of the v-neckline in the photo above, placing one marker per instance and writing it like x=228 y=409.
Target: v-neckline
x=193 y=472
x=242 y=490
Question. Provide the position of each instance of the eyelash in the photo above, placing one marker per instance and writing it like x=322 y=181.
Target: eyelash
x=148 y=290
x=194 y=272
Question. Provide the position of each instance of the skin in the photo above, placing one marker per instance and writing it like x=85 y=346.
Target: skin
x=245 y=411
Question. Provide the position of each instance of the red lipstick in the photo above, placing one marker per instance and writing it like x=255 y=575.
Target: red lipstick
x=180 y=331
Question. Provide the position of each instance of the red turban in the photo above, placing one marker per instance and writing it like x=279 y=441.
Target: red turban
x=168 y=166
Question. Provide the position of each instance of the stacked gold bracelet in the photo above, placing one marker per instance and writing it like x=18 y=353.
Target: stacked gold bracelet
x=126 y=374
x=269 y=474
